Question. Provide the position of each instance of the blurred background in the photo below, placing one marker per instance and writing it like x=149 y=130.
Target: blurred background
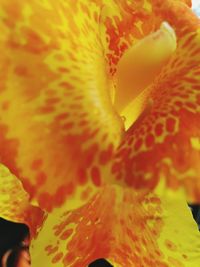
x=196 y=6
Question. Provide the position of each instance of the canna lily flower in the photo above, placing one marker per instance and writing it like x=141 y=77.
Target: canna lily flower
x=99 y=140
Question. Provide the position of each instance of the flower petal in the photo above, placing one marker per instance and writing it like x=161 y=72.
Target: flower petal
x=15 y=205
x=123 y=226
x=129 y=31
x=124 y=23
x=163 y=143
x=138 y=68
x=56 y=113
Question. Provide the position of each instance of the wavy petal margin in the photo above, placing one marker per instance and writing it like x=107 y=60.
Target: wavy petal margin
x=15 y=205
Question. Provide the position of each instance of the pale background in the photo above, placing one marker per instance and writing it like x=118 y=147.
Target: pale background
x=196 y=6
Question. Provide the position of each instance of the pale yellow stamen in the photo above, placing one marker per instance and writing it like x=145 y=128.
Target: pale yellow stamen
x=137 y=69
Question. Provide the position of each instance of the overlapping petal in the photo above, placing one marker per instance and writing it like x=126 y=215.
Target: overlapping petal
x=15 y=205
x=164 y=142
x=59 y=131
x=125 y=227
x=124 y=23
x=53 y=97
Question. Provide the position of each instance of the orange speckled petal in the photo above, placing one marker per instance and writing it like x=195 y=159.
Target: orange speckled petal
x=14 y=202
x=164 y=142
x=123 y=25
x=56 y=113
x=124 y=227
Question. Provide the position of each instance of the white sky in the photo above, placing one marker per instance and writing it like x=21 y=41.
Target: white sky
x=195 y=3
x=196 y=6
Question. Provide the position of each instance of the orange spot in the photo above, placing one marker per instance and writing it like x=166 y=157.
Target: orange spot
x=5 y=105
x=86 y=193
x=149 y=140
x=138 y=144
x=66 y=85
x=90 y=154
x=57 y=257
x=170 y=124
x=36 y=164
x=66 y=234
x=116 y=167
x=21 y=71
x=85 y=9
x=82 y=176
x=62 y=116
x=179 y=104
x=62 y=192
x=47 y=109
x=67 y=126
x=184 y=256
x=170 y=245
x=69 y=258
x=106 y=155
x=47 y=248
x=52 y=100
x=83 y=123
x=35 y=43
x=159 y=129
x=62 y=69
x=96 y=176
x=41 y=178
x=50 y=249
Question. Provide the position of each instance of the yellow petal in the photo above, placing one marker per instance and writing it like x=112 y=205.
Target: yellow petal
x=179 y=239
x=15 y=205
x=123 y=226
x=56 y=113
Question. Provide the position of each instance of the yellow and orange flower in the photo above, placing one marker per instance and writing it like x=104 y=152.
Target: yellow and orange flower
x=100 y=118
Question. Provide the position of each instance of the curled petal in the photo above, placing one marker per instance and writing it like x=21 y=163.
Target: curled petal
x=132 y=39
x=123 y=226
x=138 y=68
x=15 y=205
x=140 y=64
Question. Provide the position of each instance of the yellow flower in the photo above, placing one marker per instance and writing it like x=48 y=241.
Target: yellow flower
x=99 y=121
